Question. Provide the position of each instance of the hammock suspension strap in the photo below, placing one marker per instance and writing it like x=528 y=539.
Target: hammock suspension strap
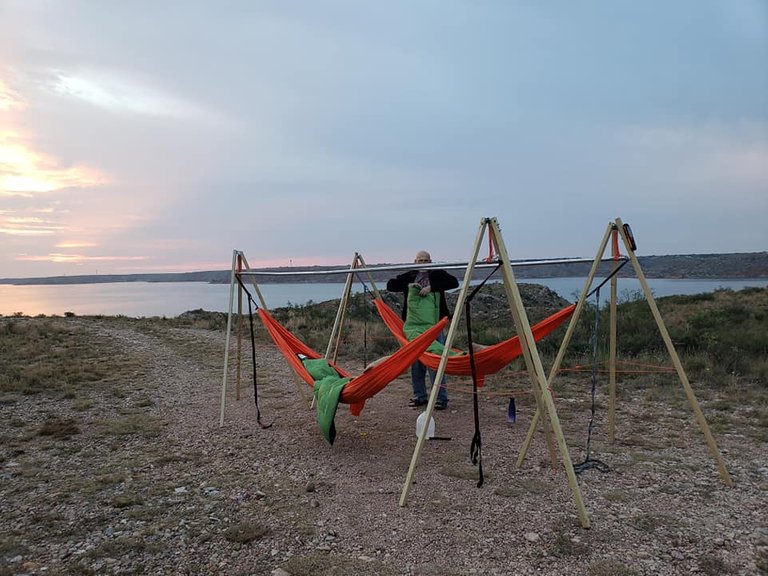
x=476 y=448
x=366 y=313
x=613 y=273
x=251 y=304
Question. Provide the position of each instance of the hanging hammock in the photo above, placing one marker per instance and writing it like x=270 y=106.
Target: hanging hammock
x=359 y=388
x=488 y=360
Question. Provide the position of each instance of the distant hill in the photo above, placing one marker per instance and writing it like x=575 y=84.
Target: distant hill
x=702 y=266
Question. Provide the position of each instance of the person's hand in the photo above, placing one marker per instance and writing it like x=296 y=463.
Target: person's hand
x=426 y=290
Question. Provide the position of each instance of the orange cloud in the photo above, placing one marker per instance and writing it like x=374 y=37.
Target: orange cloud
x=28 y=223
x=75 y=258
x=70 y=245
x=25 y=172
x=24 y=227
x=10 y=99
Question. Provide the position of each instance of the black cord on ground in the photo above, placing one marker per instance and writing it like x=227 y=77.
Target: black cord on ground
x=589 y=462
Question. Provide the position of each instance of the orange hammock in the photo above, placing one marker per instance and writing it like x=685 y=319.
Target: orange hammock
x=488 y=360
x=359 y=388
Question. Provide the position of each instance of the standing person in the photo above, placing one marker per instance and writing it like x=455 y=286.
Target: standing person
x=424 y=289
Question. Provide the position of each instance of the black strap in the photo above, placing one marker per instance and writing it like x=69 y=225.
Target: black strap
x=588 y=461
x=252 y=303
x=476 y=448
x=365 y=325
x=611 y=275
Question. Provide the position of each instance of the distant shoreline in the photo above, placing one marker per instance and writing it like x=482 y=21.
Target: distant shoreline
x=747 y=265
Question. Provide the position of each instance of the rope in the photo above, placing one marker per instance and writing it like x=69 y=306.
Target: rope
x=491 y=394
x=252 y=303
x=652 y=369
x=589 y=462
x=658 y=370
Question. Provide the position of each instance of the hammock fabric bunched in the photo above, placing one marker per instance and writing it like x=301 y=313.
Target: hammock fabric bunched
x=359 y=388
x=488 y=360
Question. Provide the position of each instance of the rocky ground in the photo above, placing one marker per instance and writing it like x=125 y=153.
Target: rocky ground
x=138 y=477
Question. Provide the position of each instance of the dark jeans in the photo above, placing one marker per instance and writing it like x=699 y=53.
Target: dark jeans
x=419 y=380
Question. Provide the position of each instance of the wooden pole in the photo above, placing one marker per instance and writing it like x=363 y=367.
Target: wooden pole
x=370 y=278
x=239 y=263
x=256 y=288
x=566 y=340
x=343 y=307
x=535 y=367
x=612 y=341
x=443 y=363
x=530 y=352
x=714 y=451
x=226 y=342
x=335 y=336
x=239 y=330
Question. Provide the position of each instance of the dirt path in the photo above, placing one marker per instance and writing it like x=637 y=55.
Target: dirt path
x=152 y=484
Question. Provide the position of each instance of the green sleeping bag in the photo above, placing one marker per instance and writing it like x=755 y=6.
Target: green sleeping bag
x=327 y=389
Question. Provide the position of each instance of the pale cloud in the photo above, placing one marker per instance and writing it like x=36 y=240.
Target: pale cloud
x=713 y=154
x=737 y=166
x=145 y=137
x=118 y=93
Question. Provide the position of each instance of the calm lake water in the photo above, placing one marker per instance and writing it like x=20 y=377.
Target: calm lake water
x=170 y=299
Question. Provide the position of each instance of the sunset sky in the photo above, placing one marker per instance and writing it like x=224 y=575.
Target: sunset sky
x=159 y=135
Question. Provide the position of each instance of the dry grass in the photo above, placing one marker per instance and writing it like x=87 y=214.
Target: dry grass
x=56 y=356
x=321 y=564
x=245 y=532
x=58 y=428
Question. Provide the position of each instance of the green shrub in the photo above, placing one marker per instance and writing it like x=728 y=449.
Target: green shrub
x=719 y=335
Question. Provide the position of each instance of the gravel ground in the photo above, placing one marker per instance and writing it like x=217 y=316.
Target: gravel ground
x=147 y=482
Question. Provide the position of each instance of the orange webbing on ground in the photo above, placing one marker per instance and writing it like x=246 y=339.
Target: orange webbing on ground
x=359 y=388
